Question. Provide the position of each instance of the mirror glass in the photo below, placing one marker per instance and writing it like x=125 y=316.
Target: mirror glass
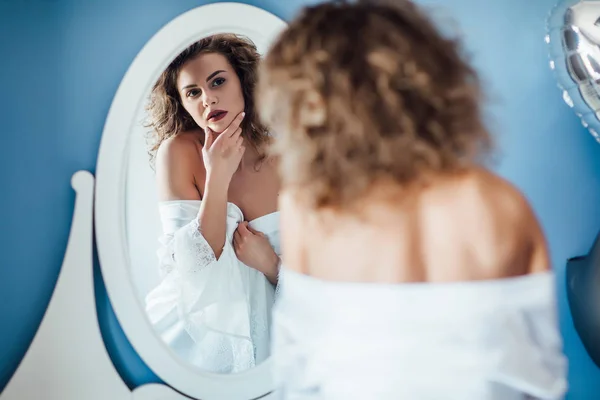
x=210 y=302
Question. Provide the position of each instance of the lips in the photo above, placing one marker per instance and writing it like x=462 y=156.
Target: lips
x=216 y=115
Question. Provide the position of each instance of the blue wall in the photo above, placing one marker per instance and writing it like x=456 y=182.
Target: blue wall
x=62 y=61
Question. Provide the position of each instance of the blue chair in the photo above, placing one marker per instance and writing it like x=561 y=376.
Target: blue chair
x=583 y=293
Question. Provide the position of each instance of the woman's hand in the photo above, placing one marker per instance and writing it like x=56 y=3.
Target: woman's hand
x=223 y=152
x=253 y=249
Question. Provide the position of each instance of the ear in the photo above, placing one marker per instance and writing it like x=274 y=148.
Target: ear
x=312 y=109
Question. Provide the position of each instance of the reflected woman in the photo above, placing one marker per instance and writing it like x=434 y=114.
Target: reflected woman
x=218 y=189
x=411 y=270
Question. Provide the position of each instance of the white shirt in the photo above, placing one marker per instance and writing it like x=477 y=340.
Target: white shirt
x=482 y=340
x=216 y=314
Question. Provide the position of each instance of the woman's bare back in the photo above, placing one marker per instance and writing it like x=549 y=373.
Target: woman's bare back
x=471 y=226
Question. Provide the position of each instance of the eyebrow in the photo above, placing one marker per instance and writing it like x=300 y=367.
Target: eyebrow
x=214 y=74
x=207 y=79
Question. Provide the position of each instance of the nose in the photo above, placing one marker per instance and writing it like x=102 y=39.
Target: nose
x=209 y=99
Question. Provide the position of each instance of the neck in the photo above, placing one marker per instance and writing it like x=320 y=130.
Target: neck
x=250 y=157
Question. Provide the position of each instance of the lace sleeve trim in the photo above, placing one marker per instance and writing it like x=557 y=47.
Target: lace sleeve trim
x=191 y=251
x=186 y=250
x=278 y=285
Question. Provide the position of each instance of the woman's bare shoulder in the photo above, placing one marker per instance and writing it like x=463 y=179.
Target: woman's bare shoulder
x=489 y=201
x=496 y=219
x=184 y=144
x=515 y=213
x=499 y=194
x=506 y=203
x=179 y=167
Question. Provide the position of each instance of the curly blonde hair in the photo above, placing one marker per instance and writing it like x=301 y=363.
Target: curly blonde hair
x=166 y=115
x=364 y=91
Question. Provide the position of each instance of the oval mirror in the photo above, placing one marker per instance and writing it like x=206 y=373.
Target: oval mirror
x=130 y=228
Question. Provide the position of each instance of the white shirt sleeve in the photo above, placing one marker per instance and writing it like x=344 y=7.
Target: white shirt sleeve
x=209 y=296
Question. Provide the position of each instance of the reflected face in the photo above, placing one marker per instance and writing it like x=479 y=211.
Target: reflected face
x=210 y=91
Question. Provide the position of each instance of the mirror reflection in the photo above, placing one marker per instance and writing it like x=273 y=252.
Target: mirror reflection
x=209 y=189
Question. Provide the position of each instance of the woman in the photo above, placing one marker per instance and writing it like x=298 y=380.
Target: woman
x=410 y=270
x=218 y=204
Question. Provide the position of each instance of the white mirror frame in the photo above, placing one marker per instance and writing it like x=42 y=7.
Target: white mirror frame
x=110 y=198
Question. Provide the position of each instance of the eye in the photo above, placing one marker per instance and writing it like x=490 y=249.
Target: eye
x=192 y=93
x=218 y=82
